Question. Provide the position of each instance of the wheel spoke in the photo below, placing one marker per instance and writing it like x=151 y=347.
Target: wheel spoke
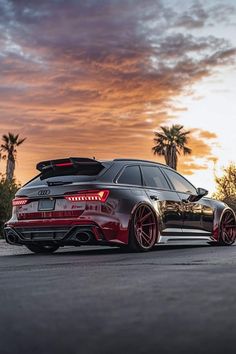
x=145 y=237
x=142 y=210
x=145 y=216
x=229 y=219
x=149 y=224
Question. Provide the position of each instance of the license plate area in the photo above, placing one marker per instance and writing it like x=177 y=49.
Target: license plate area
x=46 y=204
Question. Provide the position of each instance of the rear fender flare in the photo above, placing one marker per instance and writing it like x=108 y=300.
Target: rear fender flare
x=156 y=218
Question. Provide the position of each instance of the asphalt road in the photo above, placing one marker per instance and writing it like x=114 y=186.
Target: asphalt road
x=176 y=299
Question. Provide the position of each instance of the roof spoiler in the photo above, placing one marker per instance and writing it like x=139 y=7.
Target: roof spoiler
x=70 y=162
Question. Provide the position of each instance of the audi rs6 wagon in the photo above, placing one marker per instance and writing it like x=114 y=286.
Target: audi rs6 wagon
x=134 y=204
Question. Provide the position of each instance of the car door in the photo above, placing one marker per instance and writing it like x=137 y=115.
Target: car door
x=198 y=215
x=166 y=201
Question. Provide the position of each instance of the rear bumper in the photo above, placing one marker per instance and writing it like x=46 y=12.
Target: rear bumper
x=63 y=232
x=65 y=235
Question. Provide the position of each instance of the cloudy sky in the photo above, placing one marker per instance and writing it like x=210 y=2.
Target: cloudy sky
x=97 y=77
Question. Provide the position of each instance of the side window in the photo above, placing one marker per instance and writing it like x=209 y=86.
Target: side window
x=180 y=183
x=131 y=175
x=153 y=177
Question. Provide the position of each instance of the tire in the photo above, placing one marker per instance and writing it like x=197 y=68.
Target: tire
x=42 y=249
x=227 y=234
x=143 y=229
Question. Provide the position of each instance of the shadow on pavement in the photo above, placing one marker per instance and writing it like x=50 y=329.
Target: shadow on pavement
x=109 y=251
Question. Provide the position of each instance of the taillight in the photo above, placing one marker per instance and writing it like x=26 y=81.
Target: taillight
x=19 y=201
x=100 y=196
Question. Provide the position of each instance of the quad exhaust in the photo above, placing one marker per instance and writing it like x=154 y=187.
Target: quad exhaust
x=80 y=237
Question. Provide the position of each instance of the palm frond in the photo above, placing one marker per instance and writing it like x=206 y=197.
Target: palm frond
x=19 y=142
x=187 y=150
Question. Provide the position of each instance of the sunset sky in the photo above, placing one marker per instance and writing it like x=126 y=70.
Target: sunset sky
x=97 y=77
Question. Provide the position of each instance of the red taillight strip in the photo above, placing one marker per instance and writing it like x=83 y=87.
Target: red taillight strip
x=100 y=196
x=19 y=201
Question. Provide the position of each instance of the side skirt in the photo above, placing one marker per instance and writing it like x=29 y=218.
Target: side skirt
x=172 y=239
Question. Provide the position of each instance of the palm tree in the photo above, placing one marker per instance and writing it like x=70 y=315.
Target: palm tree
x=9 y=148
x=171 y=142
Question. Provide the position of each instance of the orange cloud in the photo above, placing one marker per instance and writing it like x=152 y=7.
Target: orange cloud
x=201 y=144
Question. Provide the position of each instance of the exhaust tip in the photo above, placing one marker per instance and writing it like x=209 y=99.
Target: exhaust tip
x=83 y=237
x=12 y=238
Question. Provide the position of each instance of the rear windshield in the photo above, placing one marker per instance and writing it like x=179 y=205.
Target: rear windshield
x=69 y=175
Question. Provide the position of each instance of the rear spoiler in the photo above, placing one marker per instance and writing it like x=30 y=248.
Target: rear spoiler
x=75 y=163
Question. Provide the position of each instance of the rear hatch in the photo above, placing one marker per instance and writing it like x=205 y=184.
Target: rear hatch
x=62 y=189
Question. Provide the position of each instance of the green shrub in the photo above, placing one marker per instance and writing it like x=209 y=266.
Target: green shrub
x=7 y=193
x=231 y=201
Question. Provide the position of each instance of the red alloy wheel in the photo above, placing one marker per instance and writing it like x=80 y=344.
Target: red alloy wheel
x=228 y=228
x=145 y=229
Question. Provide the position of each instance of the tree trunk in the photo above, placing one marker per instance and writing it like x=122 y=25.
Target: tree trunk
x=166 y=155
x=10 y=168
x=171 y=157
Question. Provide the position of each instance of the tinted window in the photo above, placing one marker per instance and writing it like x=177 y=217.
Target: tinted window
x=131 y=175
x=38 y=181
x=153 y=177
x=80 y=170
x=180 y=183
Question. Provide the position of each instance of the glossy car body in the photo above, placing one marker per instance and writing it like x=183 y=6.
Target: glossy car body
x=79 y=201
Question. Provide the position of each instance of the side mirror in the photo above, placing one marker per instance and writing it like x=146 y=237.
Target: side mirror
x=201 y=192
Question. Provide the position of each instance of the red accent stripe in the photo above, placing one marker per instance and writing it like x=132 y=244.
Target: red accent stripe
x=50 y=215
x=49 y=222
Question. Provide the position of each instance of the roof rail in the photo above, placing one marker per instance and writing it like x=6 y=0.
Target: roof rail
x=140 y=160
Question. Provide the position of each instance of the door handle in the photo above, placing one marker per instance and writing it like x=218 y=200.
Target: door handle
x=154 y=197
